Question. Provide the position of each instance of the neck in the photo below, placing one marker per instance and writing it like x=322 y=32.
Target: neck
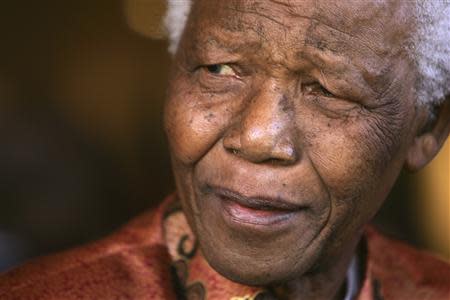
x=328 y=282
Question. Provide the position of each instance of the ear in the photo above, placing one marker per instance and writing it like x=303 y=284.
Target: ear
x=427 y=143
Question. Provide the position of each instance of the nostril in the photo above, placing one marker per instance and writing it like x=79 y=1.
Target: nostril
x=261 y=151
x=231 y=142
x=274 y=161
x=279 y=161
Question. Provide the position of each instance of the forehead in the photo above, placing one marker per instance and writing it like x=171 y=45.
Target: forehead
x=360 y=42
x=376 y=26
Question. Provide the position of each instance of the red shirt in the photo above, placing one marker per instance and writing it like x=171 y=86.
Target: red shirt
x=155 y=257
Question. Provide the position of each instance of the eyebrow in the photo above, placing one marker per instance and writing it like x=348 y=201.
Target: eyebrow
x=309 y=53
x=230 y=45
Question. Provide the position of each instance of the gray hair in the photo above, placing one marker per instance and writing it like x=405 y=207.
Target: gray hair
x=430 y=50
x=175 y=21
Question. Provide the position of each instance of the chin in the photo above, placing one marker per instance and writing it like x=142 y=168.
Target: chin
x=259 y=271
x=263 y=276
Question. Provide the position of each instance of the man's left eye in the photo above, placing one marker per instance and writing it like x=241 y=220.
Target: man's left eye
x=221 y=69
x=317 y=88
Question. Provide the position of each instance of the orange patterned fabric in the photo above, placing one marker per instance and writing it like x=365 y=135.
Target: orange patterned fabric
x=156 y=257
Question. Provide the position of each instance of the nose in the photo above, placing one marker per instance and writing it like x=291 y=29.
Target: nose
x=265 y=131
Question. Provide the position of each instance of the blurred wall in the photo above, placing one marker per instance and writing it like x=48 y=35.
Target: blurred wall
x=433 y=203
x=82 y=146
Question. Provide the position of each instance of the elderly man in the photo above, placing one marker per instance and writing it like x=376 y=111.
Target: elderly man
x=288 y=123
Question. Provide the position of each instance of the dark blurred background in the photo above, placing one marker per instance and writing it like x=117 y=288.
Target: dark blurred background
x=82 y=86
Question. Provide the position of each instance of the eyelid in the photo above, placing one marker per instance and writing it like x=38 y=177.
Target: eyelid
x=311 y=85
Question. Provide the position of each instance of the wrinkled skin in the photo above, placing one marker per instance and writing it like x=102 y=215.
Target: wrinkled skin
x=306 y=102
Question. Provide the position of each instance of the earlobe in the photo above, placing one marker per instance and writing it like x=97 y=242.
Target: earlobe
x=427 y=144
x=422 y=151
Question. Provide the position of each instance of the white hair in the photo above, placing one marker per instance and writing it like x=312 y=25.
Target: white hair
x=430 y=50
x=175 y=21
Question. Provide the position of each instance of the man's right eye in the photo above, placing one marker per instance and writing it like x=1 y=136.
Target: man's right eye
x=218 y=78
x=221 y=70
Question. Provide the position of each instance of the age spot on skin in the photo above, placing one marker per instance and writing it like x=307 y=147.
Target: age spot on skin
x=209 y=117
x=285 y=105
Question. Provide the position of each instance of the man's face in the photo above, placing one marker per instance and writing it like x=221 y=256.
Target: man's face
x=288 y=123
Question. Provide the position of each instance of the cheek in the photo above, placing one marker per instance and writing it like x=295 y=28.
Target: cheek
x=353 y=157
x=193 y=125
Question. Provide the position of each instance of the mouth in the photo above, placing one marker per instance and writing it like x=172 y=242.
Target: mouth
x=256 y=210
